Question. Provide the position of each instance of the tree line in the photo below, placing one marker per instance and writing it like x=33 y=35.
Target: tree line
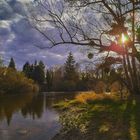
x=61 y=78
x=68 y=77
x=13 y=81
x=72 y=77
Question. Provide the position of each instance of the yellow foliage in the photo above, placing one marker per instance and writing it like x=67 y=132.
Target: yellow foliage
x=12 y=81
x=90 y=96
x=104 y=128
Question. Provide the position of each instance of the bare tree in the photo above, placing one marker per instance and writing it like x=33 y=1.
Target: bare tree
x=104 y=25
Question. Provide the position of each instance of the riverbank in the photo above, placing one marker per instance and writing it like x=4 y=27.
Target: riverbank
x=57 y=93
x=51 y=94
x=101 y=117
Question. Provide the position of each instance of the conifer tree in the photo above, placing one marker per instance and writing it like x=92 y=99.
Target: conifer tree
x=49 y=79
x=1 y=62
x=12 y=64
x=26 y=69
x=70 y=68
x=39 y=72
x=42 y=65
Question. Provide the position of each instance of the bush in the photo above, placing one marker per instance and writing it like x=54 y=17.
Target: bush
x=12 y=81
x=91 y=96
x=115 y=86
x=100 y=87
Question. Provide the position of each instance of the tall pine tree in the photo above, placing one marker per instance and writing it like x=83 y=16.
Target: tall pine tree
x=41 y=64
x=35 y=71
x=39 y=73
x=12 y=64
x=27 y=69
x=70 y=72
x=49 y=79
x=1 y=62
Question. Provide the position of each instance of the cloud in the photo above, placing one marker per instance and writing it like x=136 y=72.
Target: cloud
x=17 y=7
x=10 y=9
x=4 y=32
x=22 y=46
x=6 y=11
x=18 y=39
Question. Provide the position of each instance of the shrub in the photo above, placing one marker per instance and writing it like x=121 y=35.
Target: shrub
x=91 y=96
x=100 y=87
x=12 y=81
x=115 y=86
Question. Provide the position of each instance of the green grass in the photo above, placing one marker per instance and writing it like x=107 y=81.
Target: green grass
x=105 y=119
x=65 y=104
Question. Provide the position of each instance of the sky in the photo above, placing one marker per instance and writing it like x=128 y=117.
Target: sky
x=18 y=39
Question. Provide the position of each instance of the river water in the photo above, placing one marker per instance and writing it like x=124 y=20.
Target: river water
x=28 y=117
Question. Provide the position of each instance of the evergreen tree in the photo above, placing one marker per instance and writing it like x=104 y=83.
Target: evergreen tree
x=42 y=71
x=41 y=64
x=38 y=75
x=35 y=71
x=1 y=62
x=26 y=69
x=35 y=63
x=12 y=64
x=49 y=79
x=39 y=72
x=31 y=72
x=70 y=68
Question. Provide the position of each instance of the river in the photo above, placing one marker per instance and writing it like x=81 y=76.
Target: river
x=28 y=117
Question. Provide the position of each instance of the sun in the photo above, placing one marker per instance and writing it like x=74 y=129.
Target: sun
x=124 y=38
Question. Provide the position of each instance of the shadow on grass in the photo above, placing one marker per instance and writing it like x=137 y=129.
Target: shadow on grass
x=132 y=118
x=135 y=119
x=102 y=120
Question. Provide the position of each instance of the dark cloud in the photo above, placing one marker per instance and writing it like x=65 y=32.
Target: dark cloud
x=23 y=31
x=9 y=9
x=19 y=40
x=4 y=32
x=6 y=11
x=23 y=46
x=17 y=7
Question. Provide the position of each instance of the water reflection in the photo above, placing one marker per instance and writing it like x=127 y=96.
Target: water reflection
x=34 y=108
x=28 y=117
x=11 y=104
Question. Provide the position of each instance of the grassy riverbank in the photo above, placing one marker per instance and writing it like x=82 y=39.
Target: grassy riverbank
x=99 y=117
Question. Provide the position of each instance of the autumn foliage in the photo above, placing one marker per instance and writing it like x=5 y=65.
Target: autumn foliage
x=91 y=96
x=12 y=81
